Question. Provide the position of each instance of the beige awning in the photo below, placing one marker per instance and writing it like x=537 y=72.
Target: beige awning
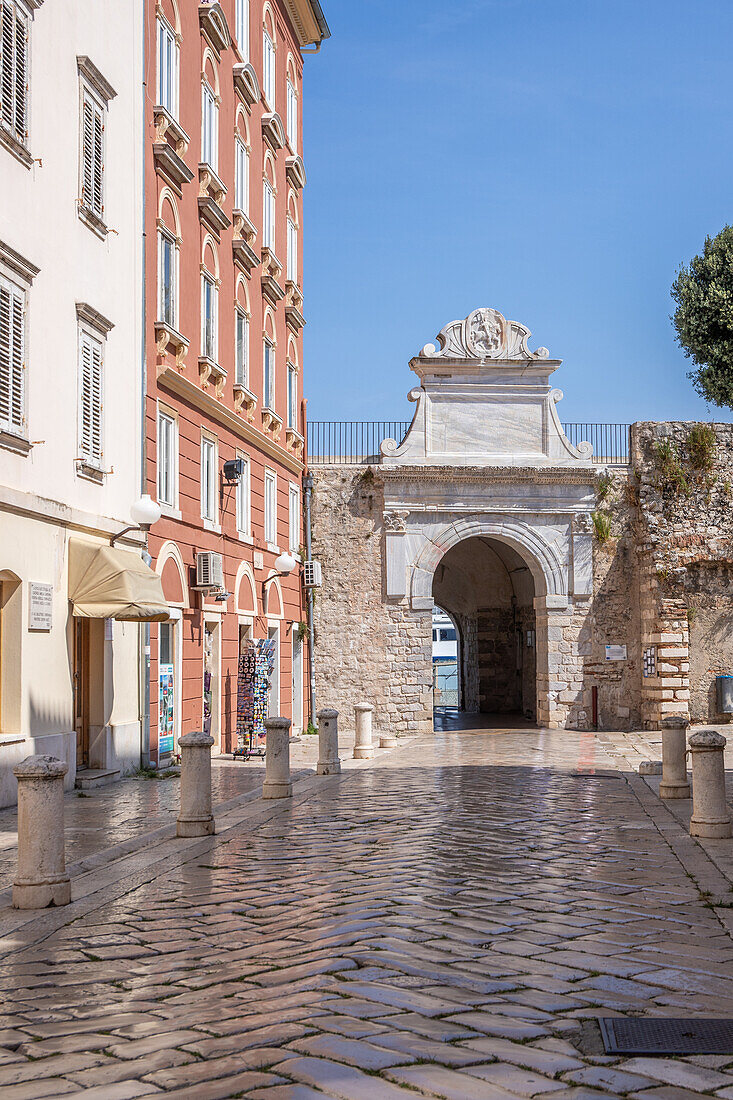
x=107 y=583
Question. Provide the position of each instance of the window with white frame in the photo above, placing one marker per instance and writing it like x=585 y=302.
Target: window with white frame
x=268 y=215
x=292 y=114
x=243 y=503
x=292 y=396
x=241 y=176
x=268 y=374
x=294 y=518
x=208 y=479
x=241 y=347
x=292 y=250
x=167 y=458
x=14 y=55
x=167 y=279
x=268 y=68
x=270 y=507
x=209 y=127
x=167 y=67
x=241 y=24
x=209 y=317
x=12 y=356
x=92 y=154
x=91 y=406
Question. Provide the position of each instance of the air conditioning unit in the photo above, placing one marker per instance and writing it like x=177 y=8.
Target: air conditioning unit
x=312 y=574
x=209 y=570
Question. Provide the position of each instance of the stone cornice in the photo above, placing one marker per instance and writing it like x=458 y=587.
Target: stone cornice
x=532 y=475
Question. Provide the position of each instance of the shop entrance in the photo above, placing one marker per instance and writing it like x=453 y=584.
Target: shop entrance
x=82 y=631
x=486 y=589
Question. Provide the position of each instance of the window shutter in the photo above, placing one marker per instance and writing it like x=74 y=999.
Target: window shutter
x=93 y=156
x=12 y=355
x=90 y=401
x=14 y=68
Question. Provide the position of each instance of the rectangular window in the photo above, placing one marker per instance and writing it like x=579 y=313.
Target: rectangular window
x=241 y=344
x=12 y=356
x=294 y=518
x=270 y=507
x=268 y=69
x=167 y=68
x=208 y=479
x=14 y=30
x=92 y=144
x=268 y=216
x=209 y=318
x=268 y=375
x=292 y=396
x=292 y=251
x=241 y=176
x=243 y=499
x=167 y=280
x=292 y=115
x=241 y=22
x=90 y=399
x=167 y=459
x=209 y=128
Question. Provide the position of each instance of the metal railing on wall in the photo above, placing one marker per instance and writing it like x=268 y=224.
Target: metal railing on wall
x=357 y=442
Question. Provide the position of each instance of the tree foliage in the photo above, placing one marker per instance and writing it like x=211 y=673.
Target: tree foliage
x=703 y=319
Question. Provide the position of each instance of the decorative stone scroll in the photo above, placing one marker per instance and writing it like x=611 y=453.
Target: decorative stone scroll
x=485 y=334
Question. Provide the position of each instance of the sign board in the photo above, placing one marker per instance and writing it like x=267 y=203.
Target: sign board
x=616 y=653
x=259 y=560
x=166 y=701
x=40 y=606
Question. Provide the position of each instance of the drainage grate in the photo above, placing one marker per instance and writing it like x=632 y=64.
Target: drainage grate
x=633 y=1035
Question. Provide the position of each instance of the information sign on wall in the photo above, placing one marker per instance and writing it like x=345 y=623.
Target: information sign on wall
x=616 y=653
x=166 y=700
x=40 y=606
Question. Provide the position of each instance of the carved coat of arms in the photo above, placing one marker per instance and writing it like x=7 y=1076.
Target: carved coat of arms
x=485 y=334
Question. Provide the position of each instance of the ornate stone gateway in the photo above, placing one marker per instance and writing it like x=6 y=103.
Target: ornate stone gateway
x=486 y=464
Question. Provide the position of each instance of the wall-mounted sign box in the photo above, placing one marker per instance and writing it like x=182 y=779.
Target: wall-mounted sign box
x=40 y=606
x=616 y=653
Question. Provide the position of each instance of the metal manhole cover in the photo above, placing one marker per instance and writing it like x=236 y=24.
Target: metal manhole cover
x=633 y=1035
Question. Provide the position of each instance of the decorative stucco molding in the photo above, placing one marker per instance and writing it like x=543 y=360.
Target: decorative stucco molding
x=484 y=334
x=95 y=79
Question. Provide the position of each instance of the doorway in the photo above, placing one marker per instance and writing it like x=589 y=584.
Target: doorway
x=486 y=589
x=297 y=678
x=212 y=682
x=82 y=630
x=273 y=710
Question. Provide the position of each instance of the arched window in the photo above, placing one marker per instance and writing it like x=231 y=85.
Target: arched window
x=268 y=363
x=241 y=27
x=292 y=256
x=209 y=115
x=241 y=166
x=268 y=205
x=168 y=65
x=210 y=302
x=292 y=106
x=241 y=336
x=268 y=59
x=292 y=386
x=169 y=242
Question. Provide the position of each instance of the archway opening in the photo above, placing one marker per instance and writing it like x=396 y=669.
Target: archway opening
x=487 y=589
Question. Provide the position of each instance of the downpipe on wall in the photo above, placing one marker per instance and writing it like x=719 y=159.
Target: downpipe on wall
x=307 y=492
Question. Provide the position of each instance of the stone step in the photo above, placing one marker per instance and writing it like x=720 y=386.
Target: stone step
x=95 y=777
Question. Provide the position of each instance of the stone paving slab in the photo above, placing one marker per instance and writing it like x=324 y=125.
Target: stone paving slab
x=446 y=921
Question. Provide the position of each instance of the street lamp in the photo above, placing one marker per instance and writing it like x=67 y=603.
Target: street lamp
x=143 y=513
x=284 y=565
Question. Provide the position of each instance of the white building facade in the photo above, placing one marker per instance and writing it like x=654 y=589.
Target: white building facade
x=71 y=377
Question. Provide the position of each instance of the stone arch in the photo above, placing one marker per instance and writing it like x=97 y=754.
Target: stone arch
x=273 y=608
x=541 y=558
x=169 y=564
x=245 y=590
x=210 y=72
x=209 y=249
x=168 y=212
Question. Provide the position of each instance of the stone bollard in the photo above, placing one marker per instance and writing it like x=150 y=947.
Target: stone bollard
x=277 y=759
x=363 y=744
x=710 y=816
x=674 y=758
x=41 y=879
x=194 y=815
x=388 y=741
x=328 y=743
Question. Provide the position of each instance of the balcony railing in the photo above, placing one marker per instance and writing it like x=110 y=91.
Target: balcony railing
x=357 y=442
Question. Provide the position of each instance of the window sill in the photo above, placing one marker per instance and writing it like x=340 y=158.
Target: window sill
x=90 y=473
x=273 y=547
x=12 y=738
x=209 y=525
x=245 y=538
x=170 y=512
x=9 y=441
x=17 y=148
x=92 y=221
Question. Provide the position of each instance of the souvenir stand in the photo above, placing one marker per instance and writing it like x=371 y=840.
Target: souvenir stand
x=256 y=667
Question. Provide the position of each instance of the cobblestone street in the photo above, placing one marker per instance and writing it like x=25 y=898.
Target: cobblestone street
x=440 y=923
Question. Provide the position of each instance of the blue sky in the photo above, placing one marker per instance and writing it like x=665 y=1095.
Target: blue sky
x=555 y=159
